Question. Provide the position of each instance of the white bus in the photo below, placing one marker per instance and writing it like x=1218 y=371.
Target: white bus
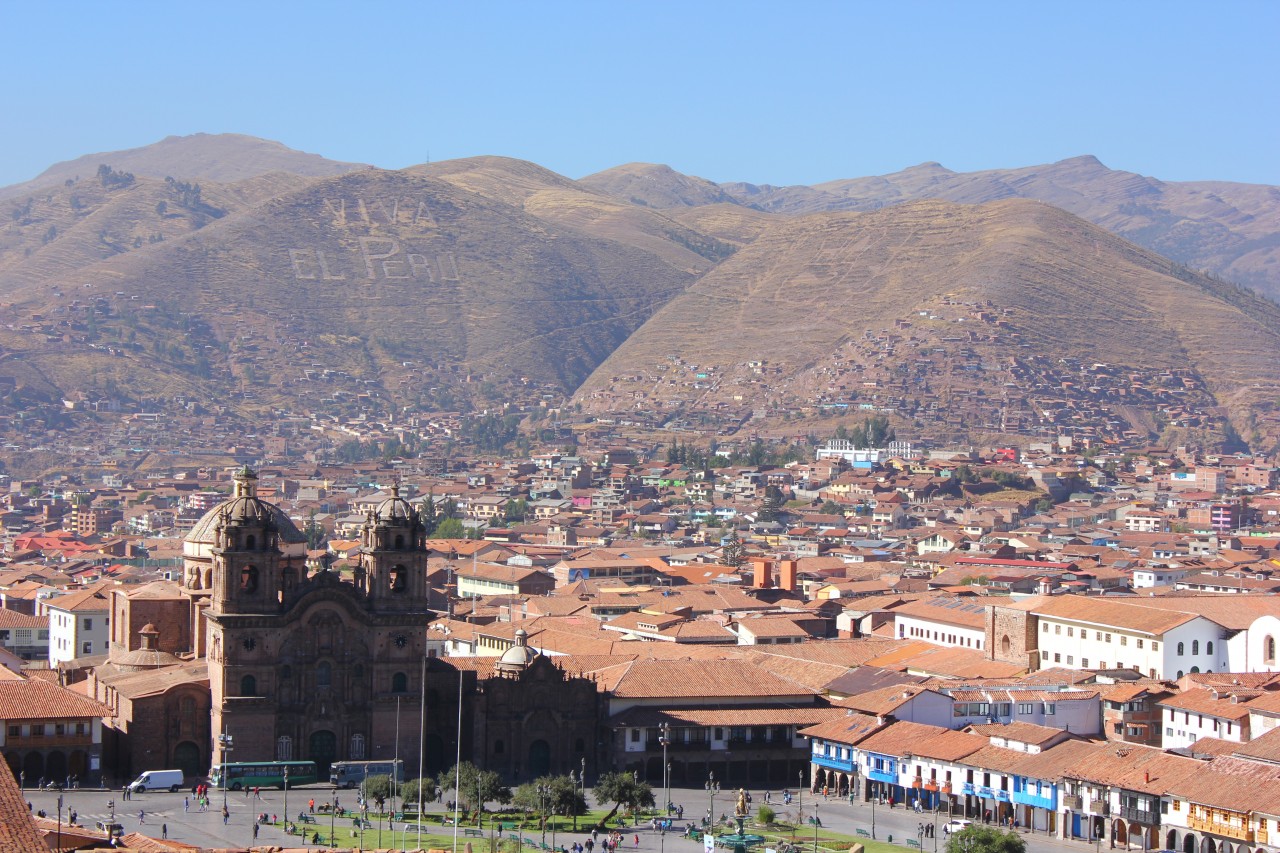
x=349 y=774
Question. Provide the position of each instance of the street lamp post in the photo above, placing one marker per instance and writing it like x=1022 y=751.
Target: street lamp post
x=542 y=800
x=225 y=740
x=333 y=811
x=711 y=786
x=800 y=805
x=286 y=795
x=582 y=775
x=665 y=739
x=815 y=828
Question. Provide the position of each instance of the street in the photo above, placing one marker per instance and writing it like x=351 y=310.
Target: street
x=206 y=829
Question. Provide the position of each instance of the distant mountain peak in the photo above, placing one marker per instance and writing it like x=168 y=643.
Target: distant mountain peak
x=1083 y=161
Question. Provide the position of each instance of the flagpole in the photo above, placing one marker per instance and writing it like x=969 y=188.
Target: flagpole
x=422 y=742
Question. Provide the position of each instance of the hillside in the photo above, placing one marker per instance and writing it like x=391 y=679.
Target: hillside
x=403 y=288
x=1002 y=319
x=1231 y=230
x=218 y=157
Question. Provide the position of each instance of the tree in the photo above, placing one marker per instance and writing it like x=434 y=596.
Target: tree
x=734 y=552
x=409 y=790
x=985 y=839
x=377 y=788
x=450 y=528
x=314 y=532
x=515 y=510
x=429 y=517
x=622 y=790
x=772 y=505
x=831 y=508
x=563 y=797
x=1044 y=505
x=470 y=783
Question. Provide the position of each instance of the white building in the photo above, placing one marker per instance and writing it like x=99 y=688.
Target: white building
x=78 y=624
x=949 y=621
x=1195 y=714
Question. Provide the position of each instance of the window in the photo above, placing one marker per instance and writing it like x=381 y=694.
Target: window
x=1208 y=647
x=1195 y=647
x=1098 y=636
x=1044 y=628
x=1124 y=641
x=249 y=579
x=1070 y=631
x=248 y=686
x=399 y=683
x=1044 y=656
x=1084 y=662
x=1050 y=708
x=15 y=731
x=87 y=648
x=324 y=674
x=37 y=729
x=1268 y=650
x=59 y=729
x=1182 y=649
x=1026 y=708
x=1057 y=657
x=1057 y=629
x=357 y=746
x=284 y=748
x=81 y=729
x=1071 y=660
x=499 y=747
x=1155 y=647
x=1108 y=636
x=635 y=735
x=88 y=624
x=1139 y=643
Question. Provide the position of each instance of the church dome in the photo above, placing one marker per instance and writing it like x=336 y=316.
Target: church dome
x=516 y=659
x=244 y=506
x=394 y=509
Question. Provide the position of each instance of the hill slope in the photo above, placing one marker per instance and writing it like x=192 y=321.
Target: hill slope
x=404 y=287
x=221 y=157
x=923 y=308
x=1231 y=230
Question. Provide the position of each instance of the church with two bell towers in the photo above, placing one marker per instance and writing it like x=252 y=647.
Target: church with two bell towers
x=316 y=667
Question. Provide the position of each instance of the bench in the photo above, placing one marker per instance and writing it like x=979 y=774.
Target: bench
x=473 y=833
x=911 y=842
x=862 y=833
x=306 y=818
x=513 y=837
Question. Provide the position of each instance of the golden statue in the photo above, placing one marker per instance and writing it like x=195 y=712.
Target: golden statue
x=741 y=809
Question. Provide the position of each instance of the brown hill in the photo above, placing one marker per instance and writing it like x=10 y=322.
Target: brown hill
x=781 y=327
x=554 y=198
x=407 y=286
x=1229 y=229
x=220 y=157
x=653 y=185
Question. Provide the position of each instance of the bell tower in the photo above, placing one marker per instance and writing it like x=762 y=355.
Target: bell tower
x=393 y=556
x=246 y=552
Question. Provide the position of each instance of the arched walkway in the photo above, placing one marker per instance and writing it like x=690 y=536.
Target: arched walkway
x=1120 y=833
x=55 y=766
x=540 y=760
x=33 y=766
x=1189 y=843
x=1207 y=845
x=1171 y=840
x=322 y=748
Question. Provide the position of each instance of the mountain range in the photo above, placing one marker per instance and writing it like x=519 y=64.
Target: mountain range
x=256 y=279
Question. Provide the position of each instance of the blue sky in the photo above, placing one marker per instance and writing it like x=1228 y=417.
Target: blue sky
x=781 y=93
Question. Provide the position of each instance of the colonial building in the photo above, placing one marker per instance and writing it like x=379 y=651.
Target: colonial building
x=312 y=667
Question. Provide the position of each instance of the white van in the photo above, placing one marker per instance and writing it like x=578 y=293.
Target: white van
x=157 y=780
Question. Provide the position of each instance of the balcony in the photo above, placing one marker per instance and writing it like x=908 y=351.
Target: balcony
x=1073 y=801
x=1150 y=818
x=1099 y=807
x=1240 y=833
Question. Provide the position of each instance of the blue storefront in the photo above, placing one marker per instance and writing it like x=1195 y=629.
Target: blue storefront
x=1036 y=803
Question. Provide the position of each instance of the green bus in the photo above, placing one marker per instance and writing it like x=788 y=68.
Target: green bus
x=262 y=774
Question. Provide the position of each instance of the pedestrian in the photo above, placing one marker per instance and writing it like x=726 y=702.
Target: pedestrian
x=142 y=816
x=226 y=815
x=255 y=832
x=637 y=842
x=311 y=804
x=186 y=804
x=164 y=830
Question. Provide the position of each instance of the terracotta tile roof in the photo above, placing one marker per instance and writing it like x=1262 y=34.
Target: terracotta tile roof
x=17 y=830
x=1205 y=702
x=728 y=715
x=1264 y=747
x=848 y=728
x=1096 y=610
x=1021 y=732
x=84 y=601
x=41 y=700
x=946 y=610
x=884 y=701
x=925 y=741
x=954 y=662
x=1232 y=783
x=1136 y=768
x=14 y=619
x=727 y=678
